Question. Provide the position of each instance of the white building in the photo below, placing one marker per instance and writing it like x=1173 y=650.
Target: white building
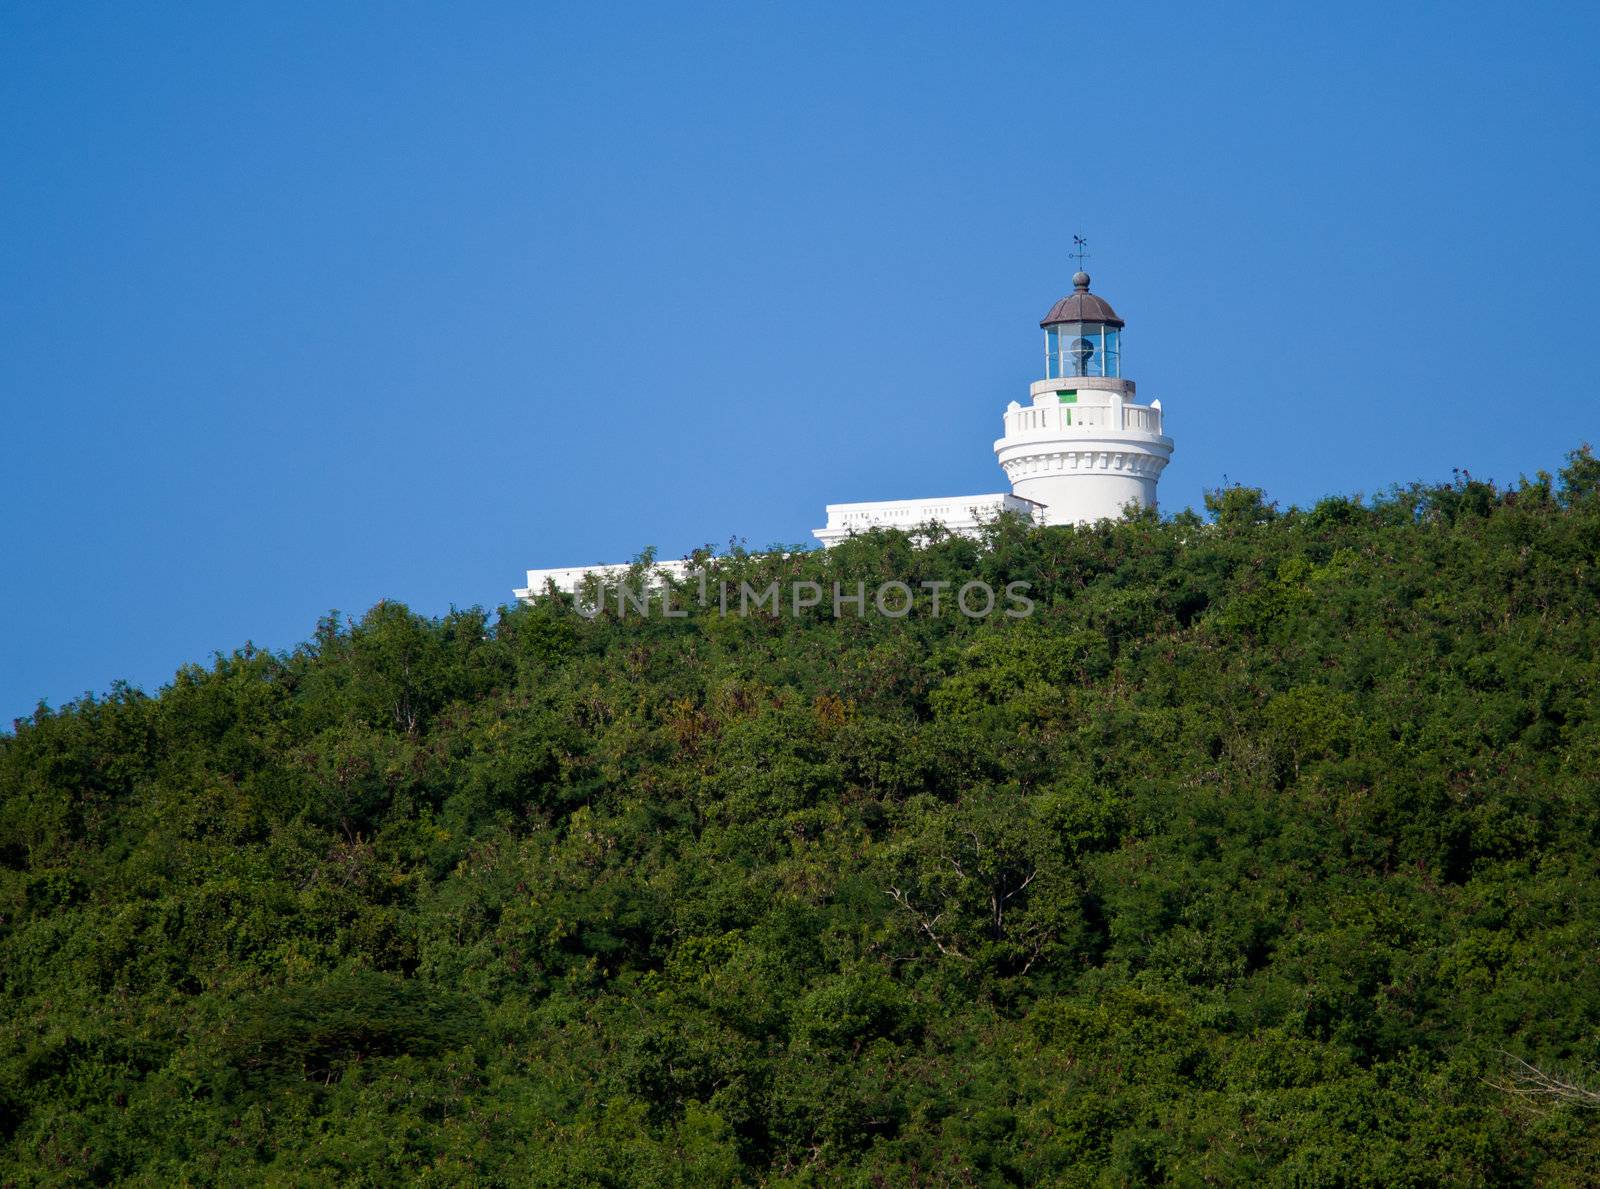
x=1080 y=450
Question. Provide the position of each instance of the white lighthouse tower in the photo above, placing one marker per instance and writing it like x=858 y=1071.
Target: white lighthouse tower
x=1081 y=448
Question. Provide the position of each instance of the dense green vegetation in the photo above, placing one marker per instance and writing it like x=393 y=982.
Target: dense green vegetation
x=1265 y=850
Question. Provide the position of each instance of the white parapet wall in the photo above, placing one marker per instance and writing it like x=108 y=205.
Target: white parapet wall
x=964 y=514
x=568 y=579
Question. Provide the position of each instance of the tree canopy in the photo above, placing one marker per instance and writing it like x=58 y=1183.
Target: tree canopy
x=1266 y=849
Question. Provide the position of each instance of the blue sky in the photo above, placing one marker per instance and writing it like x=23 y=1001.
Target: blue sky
x=310 y=305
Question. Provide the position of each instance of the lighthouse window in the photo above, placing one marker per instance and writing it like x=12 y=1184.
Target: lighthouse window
x=1083 y=350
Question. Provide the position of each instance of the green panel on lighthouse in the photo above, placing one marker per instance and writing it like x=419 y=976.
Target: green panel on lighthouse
x=1068 y=397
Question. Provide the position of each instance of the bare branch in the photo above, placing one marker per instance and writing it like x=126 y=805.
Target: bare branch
x=1529 y=1081
x=1031 y=876
x=925 y=923
x=1037 y=950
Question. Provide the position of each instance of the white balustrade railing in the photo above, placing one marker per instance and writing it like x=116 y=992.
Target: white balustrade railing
x=917 y=512
x=1141 y=417
x=1070 y=418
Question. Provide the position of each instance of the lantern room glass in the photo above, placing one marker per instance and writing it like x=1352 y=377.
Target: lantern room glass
x=1082 y=349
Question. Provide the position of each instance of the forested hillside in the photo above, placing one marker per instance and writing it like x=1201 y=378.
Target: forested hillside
x=1265 y=851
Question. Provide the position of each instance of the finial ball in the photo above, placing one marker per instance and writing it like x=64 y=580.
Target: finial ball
x=1080 y=280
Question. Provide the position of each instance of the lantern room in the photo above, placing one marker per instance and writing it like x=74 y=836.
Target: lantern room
x=1082 y=335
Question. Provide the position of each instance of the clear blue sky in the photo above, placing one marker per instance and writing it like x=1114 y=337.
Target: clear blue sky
x=309 y=305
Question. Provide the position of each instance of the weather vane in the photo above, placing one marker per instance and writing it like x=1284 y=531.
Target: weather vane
x=1082 y=253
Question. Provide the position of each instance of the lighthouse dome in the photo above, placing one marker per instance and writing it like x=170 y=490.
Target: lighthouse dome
x=1081 y=306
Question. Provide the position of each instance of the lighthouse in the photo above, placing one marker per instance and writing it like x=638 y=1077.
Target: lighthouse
x=1082 y=449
